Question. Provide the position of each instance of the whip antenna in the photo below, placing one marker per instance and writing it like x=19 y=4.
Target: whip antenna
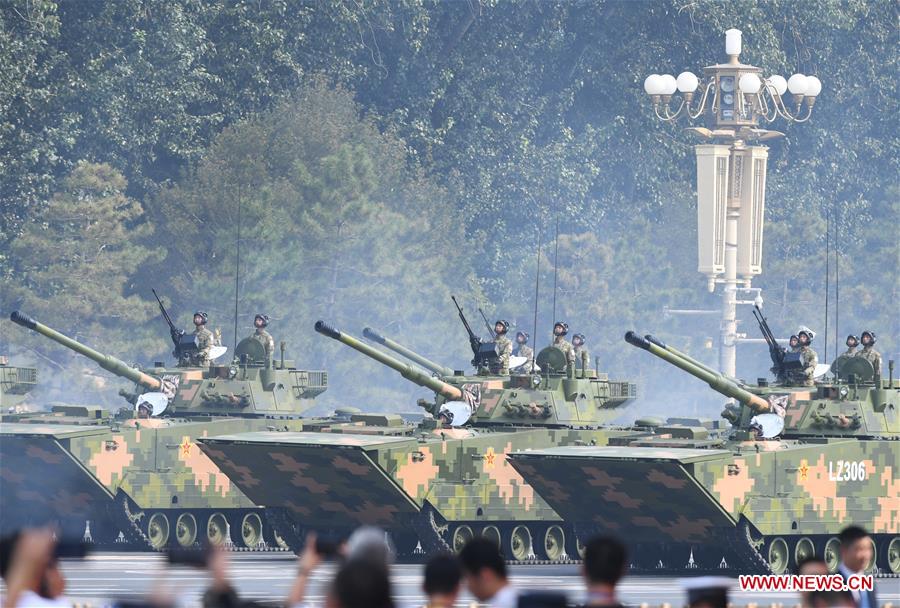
x=537 y=283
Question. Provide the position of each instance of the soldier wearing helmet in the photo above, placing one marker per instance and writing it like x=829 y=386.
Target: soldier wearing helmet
x=852 y=343
x=204 y=338
x=794 y=343
x=581 y=352
x=808 y=357
x=261 y=321
x=523 y=350
x=868 y=351
x=504 y=346
x=560 y=329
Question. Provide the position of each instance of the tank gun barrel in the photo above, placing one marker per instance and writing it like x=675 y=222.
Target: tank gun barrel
x=413 y=356
x=678 y=353
x=107 y=362
x=715 y=380
x=412 y=374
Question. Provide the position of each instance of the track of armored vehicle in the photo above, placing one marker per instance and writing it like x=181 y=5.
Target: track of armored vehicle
x=801 y=463
x=138 y=480
x=446 y=481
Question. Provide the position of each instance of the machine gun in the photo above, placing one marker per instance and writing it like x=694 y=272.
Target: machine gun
x=485 y=352
x=185 y=344
x=783 y=362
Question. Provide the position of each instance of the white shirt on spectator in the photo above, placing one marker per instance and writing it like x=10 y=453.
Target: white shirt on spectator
x=507 y=597
x=30 y=599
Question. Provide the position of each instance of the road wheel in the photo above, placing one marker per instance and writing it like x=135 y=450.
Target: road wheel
x=832 y=554
x=186 y=530
x=461 y=535
x=520 y=544
x=216 y=529
x=251 y=529
x=492 y=533
x=804 y=549
x=777 y=555
x=158 y=530
x=554 y=543
x=870 y=568
x=892 y=556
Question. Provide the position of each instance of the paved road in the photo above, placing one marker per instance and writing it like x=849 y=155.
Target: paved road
x=268 y=576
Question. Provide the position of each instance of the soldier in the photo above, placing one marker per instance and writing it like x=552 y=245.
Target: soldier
x=794 y=343
x=852 y=343
x=581 y=352
x=204 y=338
x=809 y=358
x=523 y=350
x=560 y=329
x=261 y=321
x=868 y=351
x=504 y=346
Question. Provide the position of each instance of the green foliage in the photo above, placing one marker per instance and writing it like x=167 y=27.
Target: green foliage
x=74 y=265
x=436 y=142
x=334 y=224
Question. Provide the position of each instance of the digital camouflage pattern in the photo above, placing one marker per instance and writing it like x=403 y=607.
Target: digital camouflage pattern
x=566 y=347
x=431 y=486
x=128 y=471
x=267 y=341
x=504 y=352
x=746 y=501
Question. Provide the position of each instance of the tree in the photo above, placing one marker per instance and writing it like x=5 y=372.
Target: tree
x=334 y=222
x=74 y=265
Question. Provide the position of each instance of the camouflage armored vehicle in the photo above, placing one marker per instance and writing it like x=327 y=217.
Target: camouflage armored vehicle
x=15 y=383
x=138 y=473
x=435 y=486
x=800 y=464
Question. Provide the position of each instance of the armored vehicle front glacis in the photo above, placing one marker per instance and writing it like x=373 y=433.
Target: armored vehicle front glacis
x=800 y=464
x=138 y=477
x=437 y=485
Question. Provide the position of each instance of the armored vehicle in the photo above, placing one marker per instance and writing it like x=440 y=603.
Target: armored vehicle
x=137 y=476
x=15 y=383
x=434 y=486
x=800 y=463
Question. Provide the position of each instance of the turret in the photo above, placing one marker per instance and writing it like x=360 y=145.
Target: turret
x=107 y=362
x=413 y=356
x=715 y=380
x=409 y=372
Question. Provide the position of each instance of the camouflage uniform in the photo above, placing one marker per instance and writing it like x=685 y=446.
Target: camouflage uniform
x=565 y=346
x=872 y=356
x=526 y=351
x=504 y=350
x=851 y=352
x=265 y=338
x=806 y=376
x=204 y=339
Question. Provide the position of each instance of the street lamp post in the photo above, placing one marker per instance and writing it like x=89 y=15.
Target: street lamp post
x=731 y=174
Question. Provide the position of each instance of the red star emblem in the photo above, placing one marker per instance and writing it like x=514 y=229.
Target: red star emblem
x=186 y=447
x=804 y=471
x=489 y=457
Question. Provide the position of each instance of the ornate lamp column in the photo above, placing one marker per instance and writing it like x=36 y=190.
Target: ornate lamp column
x=731 y=175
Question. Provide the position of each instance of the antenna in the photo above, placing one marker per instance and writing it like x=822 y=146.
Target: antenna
x=827 y=272
x=487 y=324
x=555 y=265
x=837 y=281
x=237 y=270
x=537 y=283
